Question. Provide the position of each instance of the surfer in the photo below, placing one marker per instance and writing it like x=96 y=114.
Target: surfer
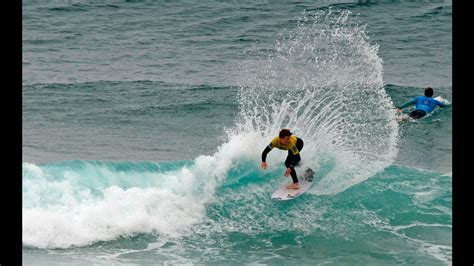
x=424 y=104
x=286 y=141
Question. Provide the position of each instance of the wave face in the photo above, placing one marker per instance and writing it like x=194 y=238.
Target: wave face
x=323 y=80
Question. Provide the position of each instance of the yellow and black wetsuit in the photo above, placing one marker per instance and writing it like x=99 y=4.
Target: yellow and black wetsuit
x=294 y=146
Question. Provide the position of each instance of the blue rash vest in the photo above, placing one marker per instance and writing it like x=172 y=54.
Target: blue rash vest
x=424 y=103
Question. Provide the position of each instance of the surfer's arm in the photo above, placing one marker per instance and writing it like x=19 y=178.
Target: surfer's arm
x=266 y=151
x=407 y=104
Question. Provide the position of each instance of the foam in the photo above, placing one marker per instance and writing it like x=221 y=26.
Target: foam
x=79 y=202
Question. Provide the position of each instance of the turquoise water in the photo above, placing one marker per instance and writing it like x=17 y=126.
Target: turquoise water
x=143 y=124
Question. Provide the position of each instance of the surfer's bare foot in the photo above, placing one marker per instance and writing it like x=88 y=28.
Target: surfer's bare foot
x=293 y=186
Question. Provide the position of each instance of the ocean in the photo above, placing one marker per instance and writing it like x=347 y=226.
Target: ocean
x=144 y=123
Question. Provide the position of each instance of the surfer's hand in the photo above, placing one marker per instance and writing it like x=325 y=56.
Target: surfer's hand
x=398 y=110
x=288 y=171
x=264 y=165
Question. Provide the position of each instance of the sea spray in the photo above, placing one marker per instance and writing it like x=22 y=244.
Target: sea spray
x=323 y=80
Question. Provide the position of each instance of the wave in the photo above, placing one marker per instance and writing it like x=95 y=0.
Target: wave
x=81 y=7
x=80 y=202
x=196 y=206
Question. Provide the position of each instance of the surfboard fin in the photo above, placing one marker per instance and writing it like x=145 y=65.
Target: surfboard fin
x=308 y=175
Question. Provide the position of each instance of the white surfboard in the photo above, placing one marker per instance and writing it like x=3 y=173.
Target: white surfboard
x=443 y=100
x=283 y=193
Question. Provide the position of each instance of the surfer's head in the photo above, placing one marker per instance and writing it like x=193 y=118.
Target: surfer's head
x=284 y=136
x=428 y=92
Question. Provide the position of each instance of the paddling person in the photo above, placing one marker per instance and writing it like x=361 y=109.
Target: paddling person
x=424 y=104
x=286 y=141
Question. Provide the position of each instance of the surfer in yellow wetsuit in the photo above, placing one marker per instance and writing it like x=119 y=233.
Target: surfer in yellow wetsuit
x=286 y=141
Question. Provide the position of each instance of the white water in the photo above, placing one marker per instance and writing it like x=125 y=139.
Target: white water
x=65 y=206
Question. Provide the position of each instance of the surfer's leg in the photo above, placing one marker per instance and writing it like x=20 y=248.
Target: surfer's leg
x=294 y=160
x=289 y=159
x=417 y=114
x=295 y=184
x=293 y=175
